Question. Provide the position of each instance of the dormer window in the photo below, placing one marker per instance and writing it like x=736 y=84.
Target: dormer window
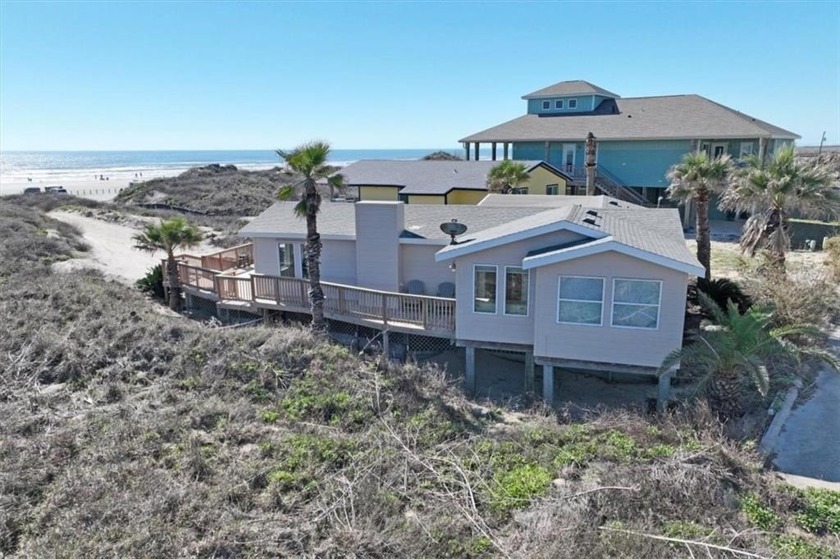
x=546 y=105
x=558 y=104
x=573 y=103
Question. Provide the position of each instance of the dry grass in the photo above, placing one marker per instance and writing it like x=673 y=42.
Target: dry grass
x=129 y=433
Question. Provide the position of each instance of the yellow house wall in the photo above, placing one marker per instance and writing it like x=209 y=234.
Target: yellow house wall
x=425 y=199
x=379 y=193
x=542 y=177
x=467 y=197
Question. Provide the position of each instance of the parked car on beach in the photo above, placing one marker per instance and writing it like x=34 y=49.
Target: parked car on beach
x=32 y=190
x=55 y=190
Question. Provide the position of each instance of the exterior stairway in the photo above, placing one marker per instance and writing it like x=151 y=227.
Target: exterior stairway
x=611 y=186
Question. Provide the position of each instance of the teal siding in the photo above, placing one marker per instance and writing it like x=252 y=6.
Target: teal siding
x=528 y=151
x=584 y=104
x=642 y=163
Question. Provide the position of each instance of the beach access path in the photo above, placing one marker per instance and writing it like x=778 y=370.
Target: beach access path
x=111 y=249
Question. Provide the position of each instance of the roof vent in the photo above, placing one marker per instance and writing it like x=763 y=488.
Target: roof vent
x=593 y=213
x=590 y=221
x=613 y=203
x=453 y=229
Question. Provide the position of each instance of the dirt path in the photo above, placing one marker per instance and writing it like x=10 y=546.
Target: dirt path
x=110 y=249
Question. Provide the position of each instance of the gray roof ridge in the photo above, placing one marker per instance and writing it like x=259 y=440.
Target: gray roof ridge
x=751 y=119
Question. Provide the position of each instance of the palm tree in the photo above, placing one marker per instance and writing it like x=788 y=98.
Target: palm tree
x=774 y=189
x=697 y=178
x=738 y=346
x=169 y=236
x=310 y=160
x=506 y=176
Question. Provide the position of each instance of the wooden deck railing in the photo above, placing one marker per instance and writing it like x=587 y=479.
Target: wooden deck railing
x=195 y=276
x=343 y=301
x=240 y=256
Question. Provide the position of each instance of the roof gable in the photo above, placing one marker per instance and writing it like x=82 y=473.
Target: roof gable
x=572 y=87
x=642 y=118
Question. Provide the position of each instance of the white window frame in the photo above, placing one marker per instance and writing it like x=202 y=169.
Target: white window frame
x=558 y=104
x=546 y=105
x=573 y=103
x=527 y=274
x=658 y=305
x=284 y=245
x=496 y=310
x=743 y=153
x=603 y=297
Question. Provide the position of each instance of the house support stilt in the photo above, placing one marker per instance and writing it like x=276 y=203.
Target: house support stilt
x=664 y=390
x=505 y=150
x=386 y=345
x=548 y=384
x=493 y=151
x=469 y=381
x=529 y=372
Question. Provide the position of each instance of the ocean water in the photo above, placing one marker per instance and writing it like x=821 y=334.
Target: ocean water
x=55 y=166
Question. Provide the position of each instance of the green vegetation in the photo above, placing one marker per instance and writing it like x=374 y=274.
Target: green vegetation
x=169 y=236
x=506 y=177
x=130 y=433
x=782 y=186
x=310 y=161
x=739 y=348
x=832 y=248
x=696 y=179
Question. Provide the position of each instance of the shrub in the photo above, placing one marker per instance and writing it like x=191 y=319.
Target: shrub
x=759 y=515
x=832 y=249
x=721 y=291
x=797 y=297
x=152 y=282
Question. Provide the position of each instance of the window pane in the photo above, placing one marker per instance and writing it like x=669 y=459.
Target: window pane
x=636 y=316
x=546 y=104
x=485 y=289
x=572 y=103
x=516 y=291
x=287 y=260
x=579 y=313
x=636 y=291
x=558 y=104
x=581 y=289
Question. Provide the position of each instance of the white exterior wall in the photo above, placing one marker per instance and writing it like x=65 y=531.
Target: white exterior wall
x=604 y=343
x=378 y=226
x=498 y=327
x=338 y=259
x=418 y=263
x=338 y=262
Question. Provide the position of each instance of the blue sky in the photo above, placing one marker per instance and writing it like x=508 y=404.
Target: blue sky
x=389 y=75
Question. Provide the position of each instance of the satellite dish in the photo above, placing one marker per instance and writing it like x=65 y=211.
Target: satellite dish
x=453 y=229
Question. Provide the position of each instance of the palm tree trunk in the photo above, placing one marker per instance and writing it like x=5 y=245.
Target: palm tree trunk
x=726 y=394
x=779 y=221
x=313 y=256
x=174 y=283
x=704 y=244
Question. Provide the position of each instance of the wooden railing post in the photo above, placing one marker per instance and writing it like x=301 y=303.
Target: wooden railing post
x=253 y=289
x=341 y=300
x=277 y=290
x=424 y=308
x=384 y=309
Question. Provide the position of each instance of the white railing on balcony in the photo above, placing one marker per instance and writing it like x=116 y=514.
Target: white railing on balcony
x=436 y=314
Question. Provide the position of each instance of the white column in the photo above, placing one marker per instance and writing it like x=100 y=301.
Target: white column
x=548 y=384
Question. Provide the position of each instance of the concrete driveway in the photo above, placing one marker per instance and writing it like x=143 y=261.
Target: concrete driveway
x=809 y=442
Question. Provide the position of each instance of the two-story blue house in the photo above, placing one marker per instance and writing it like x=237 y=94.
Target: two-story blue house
x=638 y=139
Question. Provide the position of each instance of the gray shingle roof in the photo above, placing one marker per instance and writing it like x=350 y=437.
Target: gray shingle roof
x=573 y=87
x=547 y=201
x=670 y=117
x=422 y=177
x=655 y=231
x=421 y=221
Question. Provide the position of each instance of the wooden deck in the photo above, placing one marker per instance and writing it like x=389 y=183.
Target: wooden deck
x=245 y=290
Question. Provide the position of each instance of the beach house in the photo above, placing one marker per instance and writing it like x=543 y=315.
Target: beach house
x=637 y=139
x=441 y=182
x=586 y=284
